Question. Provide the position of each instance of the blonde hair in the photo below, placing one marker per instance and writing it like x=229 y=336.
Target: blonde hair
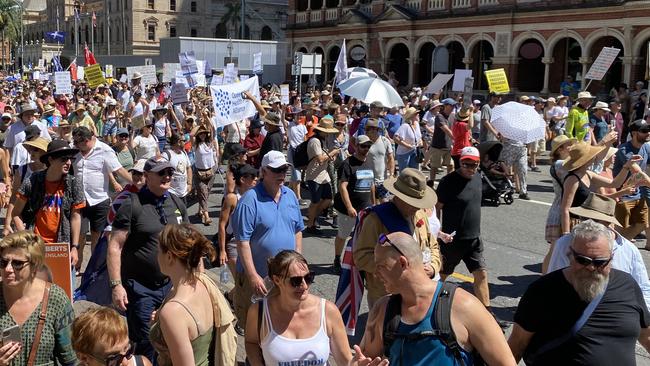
x=28 y=241
x=98 y=326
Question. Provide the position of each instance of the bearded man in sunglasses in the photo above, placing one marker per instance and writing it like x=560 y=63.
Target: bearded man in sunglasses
x=585 y=314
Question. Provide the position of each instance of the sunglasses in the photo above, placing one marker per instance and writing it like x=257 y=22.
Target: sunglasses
x=365 y=146
x=469 y=166
x=116 y=360
x=64 y=159
x=283 y=169
x=165 y=173
x=16 y=265
x=383 y=240
x=79 y=141
x=296 y=281
x=123 y=136
x=583 y=260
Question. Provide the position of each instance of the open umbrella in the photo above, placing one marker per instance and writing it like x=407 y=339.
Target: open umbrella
x=369 y=89
x=518 y=122
x=357 y=72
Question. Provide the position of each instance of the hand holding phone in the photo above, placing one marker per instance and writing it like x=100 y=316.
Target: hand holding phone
x=11 y=334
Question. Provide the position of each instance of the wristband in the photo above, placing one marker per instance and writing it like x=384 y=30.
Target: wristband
x=115 y=283
x=75 y=246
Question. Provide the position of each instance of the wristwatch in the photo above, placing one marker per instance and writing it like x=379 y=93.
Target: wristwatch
x=115 y=283
x=76 y=246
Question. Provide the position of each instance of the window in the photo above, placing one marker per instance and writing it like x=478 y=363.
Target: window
x=172 y=5
x=172 y=31
x=193 y=6
x=151 y=32
x=150 y=4
x=193 y=32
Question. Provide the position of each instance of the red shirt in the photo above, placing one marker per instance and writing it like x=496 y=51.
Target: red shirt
x=461 y=137
x=253 y=143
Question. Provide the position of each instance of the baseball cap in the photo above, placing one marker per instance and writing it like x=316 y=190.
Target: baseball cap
x=122 y=131
x=363 y=139
x=245 y=169
x=274 y=159
x=476 y=101
x=139 y=166
x=6 y=115
x=154 y=165
x=449 y=101
x=32 y=132
x=470 y=153
x=639 y=125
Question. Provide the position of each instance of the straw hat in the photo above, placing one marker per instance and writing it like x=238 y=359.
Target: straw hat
x=601 y=105
x=560 y=140
x=581 y=154
x=462 y=115
x=610 y=152
x=80 y=107
x=39 y=143
x=410 y=112
x=326 y=125
x=585 y=95
x=265 y=104
x=48 y=109
x=411 y=187
x=597 y=207
x=273 y=119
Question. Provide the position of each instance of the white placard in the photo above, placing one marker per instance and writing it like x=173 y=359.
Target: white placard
x=257 y=63
x=62 y=82
x=228 y=104
x=603 y=62
x=181 y=80
x=46 y=76
x=188 y=63
x=459 y=79
x=41 y=63
x=108 y=71
x=179 y=93
x=36 y=75
x=80 y=73
x=230 y=74
x=284 y=94
x=169 y=71
x=217 y=80
x=148 y=73
x=437 y=83
x=123 y=78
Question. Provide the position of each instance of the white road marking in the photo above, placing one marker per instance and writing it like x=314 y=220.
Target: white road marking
x=537 y=202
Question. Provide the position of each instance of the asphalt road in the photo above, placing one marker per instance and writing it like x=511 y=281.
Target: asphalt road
x=513 y=236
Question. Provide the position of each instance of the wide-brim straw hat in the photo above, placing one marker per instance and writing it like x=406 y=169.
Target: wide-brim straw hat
x=581 y=154
x=39 y=143
x=410 y=112
x=326 y=125
x=597 y=207
x=611 y=151
x=411 y=187
x=585 y=95
x=273 y=119
x=560 y=141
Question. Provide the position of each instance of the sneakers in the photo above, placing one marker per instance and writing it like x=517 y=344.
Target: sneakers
x=239 y=330
x=536 y=169
x=335 y=222
x=524 y=196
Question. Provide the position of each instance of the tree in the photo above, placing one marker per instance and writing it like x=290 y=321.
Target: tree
x=232 y=18
x=9 y=24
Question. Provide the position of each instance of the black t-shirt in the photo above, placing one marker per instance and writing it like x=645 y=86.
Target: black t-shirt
x=139 y=255
x=359 y=182
x=462 y=205
x=550 y=307
x=272 y=141
x=439 y=140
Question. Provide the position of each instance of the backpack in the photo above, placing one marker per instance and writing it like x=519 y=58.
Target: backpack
x=300 y=156
x=440 y=322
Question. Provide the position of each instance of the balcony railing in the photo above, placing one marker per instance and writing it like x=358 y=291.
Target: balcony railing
x=414 y=4
x=315 y=16
x=436 y=4
x=366 y=8
x=301 y=17
x=488 y=2
x=331 y=14
x=458 y=4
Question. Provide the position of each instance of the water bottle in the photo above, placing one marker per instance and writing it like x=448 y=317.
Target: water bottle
x=224 y=276
x=268 y=283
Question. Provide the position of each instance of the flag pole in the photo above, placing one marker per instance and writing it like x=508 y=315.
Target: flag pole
x=92 y=33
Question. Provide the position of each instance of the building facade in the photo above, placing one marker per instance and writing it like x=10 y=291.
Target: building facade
x=537 y=42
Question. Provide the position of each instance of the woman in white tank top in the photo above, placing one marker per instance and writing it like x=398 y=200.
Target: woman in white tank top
x=297 y=328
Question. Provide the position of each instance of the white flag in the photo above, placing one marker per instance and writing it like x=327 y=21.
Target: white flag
x=341 y=64
x=229 y=106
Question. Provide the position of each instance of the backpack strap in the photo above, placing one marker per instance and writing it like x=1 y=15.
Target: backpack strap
x=442 y=315
x=392 y=319
x=41 y=324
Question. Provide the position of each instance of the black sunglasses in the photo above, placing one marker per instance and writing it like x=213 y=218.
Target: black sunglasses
x=116 y=359
x=166 y=173
x=283 y=169
x=365 y=146
x=309 y=278
x=383 y=239
x=15 y=264
x=583 y=260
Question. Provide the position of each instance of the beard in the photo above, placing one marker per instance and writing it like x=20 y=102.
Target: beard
x=589 y=284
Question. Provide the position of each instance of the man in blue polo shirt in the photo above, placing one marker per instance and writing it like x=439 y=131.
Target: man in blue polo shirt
x=266 y=221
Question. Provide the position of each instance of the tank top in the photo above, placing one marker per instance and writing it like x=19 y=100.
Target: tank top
x=281 y=351
x=204 y=156
x=229 y=229
x=581 y=193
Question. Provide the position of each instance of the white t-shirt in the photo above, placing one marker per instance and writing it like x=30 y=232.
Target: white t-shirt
x=126 y=99
x=180 y=162
x=16 y=133
x=204 y=156
x=297 y=133
x=93 y=169
x=558 y=111
x=145 y=147
x=409 y=134
x=159 y=127
x=19 y=156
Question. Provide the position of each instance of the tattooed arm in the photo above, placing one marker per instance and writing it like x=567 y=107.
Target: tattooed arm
x=372 y=343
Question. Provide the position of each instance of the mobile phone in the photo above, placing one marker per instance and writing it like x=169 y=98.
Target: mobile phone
x=12 y=334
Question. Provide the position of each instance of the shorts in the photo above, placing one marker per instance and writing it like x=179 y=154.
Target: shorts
x=319 y=192
x=629 y=213
x=110 y=129
x=537 y=146
x=346 y=224
x=97 y=215
x=469 y=251
x=231 y=250
x=440 y=157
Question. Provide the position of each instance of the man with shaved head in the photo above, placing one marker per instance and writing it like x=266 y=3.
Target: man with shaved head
x=399 y=266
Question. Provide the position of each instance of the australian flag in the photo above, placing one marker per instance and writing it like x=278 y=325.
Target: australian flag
x=56 y=36
x=56 y=63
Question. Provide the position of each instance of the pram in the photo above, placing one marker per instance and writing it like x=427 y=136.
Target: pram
x=496 y=185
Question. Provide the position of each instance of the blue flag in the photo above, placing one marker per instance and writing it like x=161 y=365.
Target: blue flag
x=56 y=36
x=56 y=62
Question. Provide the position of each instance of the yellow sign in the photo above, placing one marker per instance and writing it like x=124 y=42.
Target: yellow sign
x=94 y=75
x=497 y=81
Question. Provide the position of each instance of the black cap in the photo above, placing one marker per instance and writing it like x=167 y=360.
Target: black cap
x=156 y=165
x=245 y=169
x=32 y=132
x=364 y=109
x=639 y=125
x=237 y=149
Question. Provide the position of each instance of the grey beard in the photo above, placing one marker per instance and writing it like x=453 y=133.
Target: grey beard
x=588 y=284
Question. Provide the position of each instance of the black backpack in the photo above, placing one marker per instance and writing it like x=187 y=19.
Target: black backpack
x=300 y=156
x=441 y=328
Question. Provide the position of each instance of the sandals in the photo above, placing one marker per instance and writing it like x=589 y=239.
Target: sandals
x=205 y=218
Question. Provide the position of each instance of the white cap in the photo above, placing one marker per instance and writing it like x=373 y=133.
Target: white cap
x=476 y=101
x=471 y=153
x=8 y=115
x=274 y=159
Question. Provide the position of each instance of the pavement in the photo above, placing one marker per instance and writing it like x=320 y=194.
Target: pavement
x=513 y=237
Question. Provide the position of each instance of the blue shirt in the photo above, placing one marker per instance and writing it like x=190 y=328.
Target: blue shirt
x=625 y=152
x=394 y=121
x=362 y=126
x=268 y=226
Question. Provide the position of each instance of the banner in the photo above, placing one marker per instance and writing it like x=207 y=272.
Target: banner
x=169 y=71
x=437 y=83
x=188 y=63
x=179 y=94
x=497 y=81
x=257 y=63
x=57 y=264
x=148 y=73
x=94 y=76
x=62 y=82
x=229 y=106
x=459 y=79
x=284 y=94
x=604 y=60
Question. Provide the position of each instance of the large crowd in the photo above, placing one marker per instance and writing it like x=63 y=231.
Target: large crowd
x=117 y=166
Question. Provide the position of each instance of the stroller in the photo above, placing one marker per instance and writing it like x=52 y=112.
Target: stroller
x=496 y=184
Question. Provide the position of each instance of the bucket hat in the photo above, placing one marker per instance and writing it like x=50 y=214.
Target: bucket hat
x=411 y=187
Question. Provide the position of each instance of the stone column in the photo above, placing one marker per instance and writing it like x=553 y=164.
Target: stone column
x=468 y=61
x=308 y=5
x=411 y=60
x=627 y=69
x=585 y=62
x=547 y=61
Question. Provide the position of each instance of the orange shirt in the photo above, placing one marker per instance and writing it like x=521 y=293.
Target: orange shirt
x=310 y=129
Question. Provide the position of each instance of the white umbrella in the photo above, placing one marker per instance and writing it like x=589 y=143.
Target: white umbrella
x=357 y=72
x=369 y=89
x=518 y=122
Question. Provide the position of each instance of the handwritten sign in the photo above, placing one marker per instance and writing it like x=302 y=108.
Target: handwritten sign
x=257 y=63
x=148 y=73
x=62 y=82
x=57 y=265
x=108 y=70
x=179 y=94
x=497 y=81
x=459 y=79
x=188 y=63
x=284 y=94
x=602 y=64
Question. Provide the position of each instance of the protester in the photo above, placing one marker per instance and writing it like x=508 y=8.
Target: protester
x=488 y=132
x=577 y=123
x=597 y=121
x=125 y=153
x=442 y=139
x=408 y=139
x=110 y=120
x=16 y=132
x=380 y=158
x=273 y=141
x=237 y=160
x=205 y=164
x=145 y=144
x=162 y=129
x=535 y=148
x=461 y=132
x=253 y=143
x=182 y=179
x=81 y=118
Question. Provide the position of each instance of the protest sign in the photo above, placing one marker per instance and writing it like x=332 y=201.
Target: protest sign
x=94 y=75
x=137 y=122
x=497 y=81
x=148 y=73
x=459 y=79
x=45 y=76
x=123 y=78
x=169 y=71
x=437 y=83
x=80 y=72
x=62 y=82
x=284 y=94
x=229 y=106
x=36 y=75
x=181 y=79
x=108 y=70
x=198 y=79
x=468 y=91
x=41 y=63
x=217 y=80
x=243 y=77
x=200 y=66
x=179 y=94
x=230 y=74
x=188 y=63
x=57 y=263
x=604 y=60
x=207 y=69
x=257 y=63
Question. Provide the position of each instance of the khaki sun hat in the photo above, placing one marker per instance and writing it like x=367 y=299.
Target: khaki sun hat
x=39 y=143
x=326 y=125
x=597 y=207
x=410 y=112
x=411 y=187
x=560 y=140
x=585 y=95
x=581 y=154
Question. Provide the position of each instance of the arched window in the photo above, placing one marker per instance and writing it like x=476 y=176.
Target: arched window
x=266 y=34
x=221 y=31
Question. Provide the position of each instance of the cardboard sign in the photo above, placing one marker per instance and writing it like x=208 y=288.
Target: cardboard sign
x=459 y=79
x=217 y=80
x=603 y=62
x=179 y=94
x=437 y=83
x=123 y=78
x=148 y=74
x=108 y=71
x=169 y=71
x=229 y=106
x=257 y=63
x=497 y=81
x=94 y=76
x=137 y=122
x=57 y=262
x=284 y=94
x=62 y=82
